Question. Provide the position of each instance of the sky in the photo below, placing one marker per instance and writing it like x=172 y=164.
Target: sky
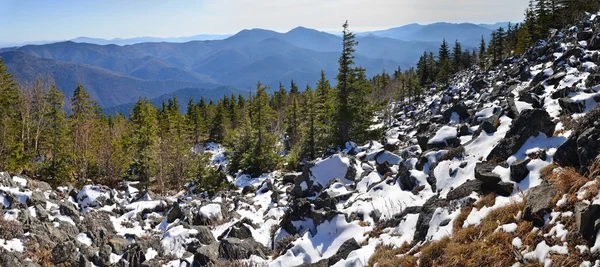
x=44 y=20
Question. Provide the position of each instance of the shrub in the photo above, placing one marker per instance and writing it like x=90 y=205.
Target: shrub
x=10 y=229
x=456 y=152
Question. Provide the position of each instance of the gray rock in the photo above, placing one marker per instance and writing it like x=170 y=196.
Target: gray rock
x=504 y=189
x=461 y=109
x=236 y=249
x=289 y=178
x=587 y=218
x=344 y=250
x=518 y=171
x=529 y=123
x=483 y=173
x=557 y=77
x=204 y=235
x=594 y=43
x=465 y=189
x=588 y=146
x=206 y=255
x=118 y=245
x=405 y=179
x=424 y=218
x=133 y=256
x=538 y=202
x=570 y=107
x=65 y=253
x=174 y=213
x=566 y=153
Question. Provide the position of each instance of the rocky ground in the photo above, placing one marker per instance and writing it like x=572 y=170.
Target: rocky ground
x=522 y=134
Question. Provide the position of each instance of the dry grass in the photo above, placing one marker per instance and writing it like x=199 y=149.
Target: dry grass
x=567 y=122
x=387 y=255
x=10 y=229
x=462 y=217
x=486 y=201
x=283 y=244
x=475 y=245
x=39 y=254
x=566 y=180
x=587 y=121
x=457 y=152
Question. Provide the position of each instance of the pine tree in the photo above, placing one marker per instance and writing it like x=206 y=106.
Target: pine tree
x=482 y=53
x=344 y=88
x=423 y=69
x=145 y=142
x=57 y=167
x=324 y=109
x=293 y=120
x=82 y=131
x=12 y=148
x=457 y=56
x=310 y=123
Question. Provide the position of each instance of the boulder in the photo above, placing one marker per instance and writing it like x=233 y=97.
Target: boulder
x=174 y=213
x=557 y=77
x=529 y=123
x=504 y=189
x=587 y=218
x=518 y=170
x=478 y=84
x=594 y=43
x=566 y=154
x=461 y=109
x=64 y=253
x=465 y=189
x=405 y=179
x=483 y=173
x=424 y=218
x=538 y=202
x=569 y=106
x=206 y=255
x=133 y=256
x=239 y=230
x=118 y=245
x=588 y=146
x=236 y=249
x=204 y=235
x=344 y=250
x=289 y=178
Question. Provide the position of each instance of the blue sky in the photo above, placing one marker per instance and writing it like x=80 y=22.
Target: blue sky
x=38 y=20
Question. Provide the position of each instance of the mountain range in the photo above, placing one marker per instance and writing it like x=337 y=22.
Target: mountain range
x=119 y=71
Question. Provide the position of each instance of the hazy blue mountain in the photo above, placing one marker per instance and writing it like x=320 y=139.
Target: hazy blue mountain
x=107 y=87
x=120 y=74
x=137 y=40
x=467 y=33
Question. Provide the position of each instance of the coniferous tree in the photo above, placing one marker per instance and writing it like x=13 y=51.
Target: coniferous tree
x=344 y=116
x=482 y=53
x=84 y=126
x=12 y=148
x=57 y=167
x=457 y=57
x=144 y=142
x=324 y=110
x=309 y=108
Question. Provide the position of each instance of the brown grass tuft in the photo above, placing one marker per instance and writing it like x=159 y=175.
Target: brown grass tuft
x=566 y=180
x=587 y=121
x=456 y=152
x=486 y=201
x=387 y=255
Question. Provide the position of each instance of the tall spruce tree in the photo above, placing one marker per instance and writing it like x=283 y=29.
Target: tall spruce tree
x=83 y=129
x=344 y=109
x=12 y=148
x=145 y=142
x=57 y=166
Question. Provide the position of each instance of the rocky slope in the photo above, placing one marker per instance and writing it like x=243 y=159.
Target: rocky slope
x=519 y=135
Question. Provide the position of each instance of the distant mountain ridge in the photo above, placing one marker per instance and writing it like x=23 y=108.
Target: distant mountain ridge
x=119 y=74
x=467 y=33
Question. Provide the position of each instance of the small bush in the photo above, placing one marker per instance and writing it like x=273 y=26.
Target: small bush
x=387 y=255
x=284 y=244
x=587 y=121
x=486 y=201
x=10 y=229
x=456 y=152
